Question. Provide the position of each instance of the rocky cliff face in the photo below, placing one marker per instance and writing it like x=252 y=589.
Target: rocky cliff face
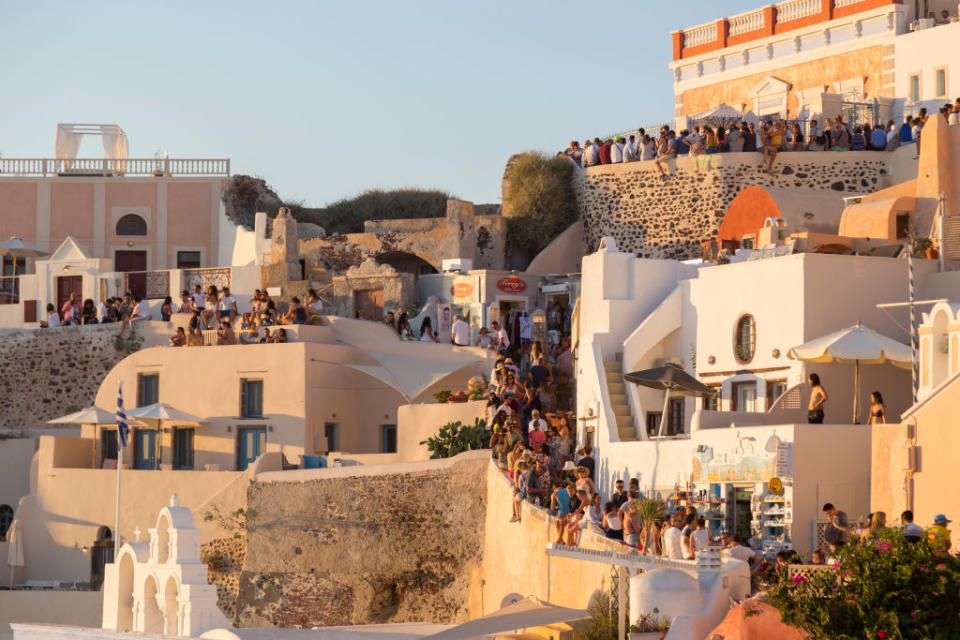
x=363 y=549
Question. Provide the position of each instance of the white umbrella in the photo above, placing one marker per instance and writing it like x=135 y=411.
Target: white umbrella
x=15 y=548
x=20 y=248
x=157 y=413
x=90 y=415
x=858 y=345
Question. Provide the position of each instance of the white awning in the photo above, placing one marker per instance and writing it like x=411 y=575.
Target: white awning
x=527 y=613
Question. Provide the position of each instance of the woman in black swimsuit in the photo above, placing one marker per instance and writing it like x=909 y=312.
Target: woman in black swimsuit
x=878 y=411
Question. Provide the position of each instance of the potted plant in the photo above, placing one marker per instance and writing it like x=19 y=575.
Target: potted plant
x=649 y=510
x=650 y=626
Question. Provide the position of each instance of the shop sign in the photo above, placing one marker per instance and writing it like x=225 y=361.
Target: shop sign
x=511 y=284
x=461 y=290
x=783 y=460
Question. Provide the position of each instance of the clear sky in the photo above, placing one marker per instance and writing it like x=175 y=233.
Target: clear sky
x=327 y=99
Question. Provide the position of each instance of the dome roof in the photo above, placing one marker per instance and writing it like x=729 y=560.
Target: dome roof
x=671 y=592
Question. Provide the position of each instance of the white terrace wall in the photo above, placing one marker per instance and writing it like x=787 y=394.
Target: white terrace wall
x=656 y=218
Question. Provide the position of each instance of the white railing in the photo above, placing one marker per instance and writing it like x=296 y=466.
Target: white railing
x=696 y=36
x=845 y=3
x=746 y=22
x=107 y=167
x=796 y=9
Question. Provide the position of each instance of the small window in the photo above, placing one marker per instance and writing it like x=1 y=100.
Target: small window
x=6 y=519
x=330 y=431
x=903 y=225
x=148 y=389
x=712 y=401
x=108 y=444
x=131 y=225
x=188 y=259
x=914 y=89
x=388 y=438
x=940 y=83
x=748 y=242
x=183 y=448
x=14 y=266
x=745 y=339
x=775 y=389
x=251 y=398
x=653 y=423
x=674 y=426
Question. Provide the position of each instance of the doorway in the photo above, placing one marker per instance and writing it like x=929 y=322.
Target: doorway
x=101 y=554
x=253 y=442
x=146 y=446
x=739 y=512
x=369 y=304
x=67 y=285
x=744 y=396
x=134 y=263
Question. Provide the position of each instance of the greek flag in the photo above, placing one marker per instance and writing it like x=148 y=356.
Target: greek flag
x=123 y=431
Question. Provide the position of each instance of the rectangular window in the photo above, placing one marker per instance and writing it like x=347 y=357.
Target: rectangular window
x=653 y=423
x=940 y=82
x=14 y=266
x=183 y=448
x=748 y=241
x=775 y=389
x=330 y=431
x=148 y=389
x=913 y=92
x=712 y=402
x=744 y=396
x=388 y=438
x=108 y=444
x=188 y=259
x=903 y=225
x=675 y=418
x=251 y=398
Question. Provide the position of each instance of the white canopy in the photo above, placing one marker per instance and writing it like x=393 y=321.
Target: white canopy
x=162 y=411
x=20 y=248
x=90 y=415
x=854 y=344
x=721 y=111
x=69 y=137
x=527 y=613
x=15 y=557
x=409 y=376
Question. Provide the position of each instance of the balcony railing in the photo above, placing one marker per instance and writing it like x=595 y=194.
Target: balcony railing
x=700 y=35
x=796 y=9
x=147 y=284
x=157 y=167
x=746 y=22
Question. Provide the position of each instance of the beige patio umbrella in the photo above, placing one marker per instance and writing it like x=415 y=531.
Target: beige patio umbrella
x=859 y=345
x=527 y=613
x=15 y=556
x=20 y=248
x=90 y=415
x=156 y=414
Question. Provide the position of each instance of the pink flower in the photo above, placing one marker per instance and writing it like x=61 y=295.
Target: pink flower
x=913 y=614
x=941 y=567
x=883 y=546
x=799 y=579
x=881 y=634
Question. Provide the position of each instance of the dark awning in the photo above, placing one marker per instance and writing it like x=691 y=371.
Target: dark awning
x=670 y=377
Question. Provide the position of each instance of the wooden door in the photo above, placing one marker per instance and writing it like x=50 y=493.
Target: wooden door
x=67 y=285
x=136 y=262
x=253 y=442
x=369 y=303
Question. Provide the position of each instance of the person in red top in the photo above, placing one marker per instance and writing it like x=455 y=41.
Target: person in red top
x=603 y=150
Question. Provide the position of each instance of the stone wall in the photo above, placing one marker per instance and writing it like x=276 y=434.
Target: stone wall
x=48 y=373
x=350 y=547
x=224 y=560
x=656 y=218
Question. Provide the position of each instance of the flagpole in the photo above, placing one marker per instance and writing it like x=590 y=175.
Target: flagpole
x=116 y=537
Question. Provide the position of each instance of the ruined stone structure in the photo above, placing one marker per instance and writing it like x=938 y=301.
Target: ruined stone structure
x=284 y=253
x=415 y=245
x=372 y=285
x=48 y=373
x=671 y=218
x=360 y=549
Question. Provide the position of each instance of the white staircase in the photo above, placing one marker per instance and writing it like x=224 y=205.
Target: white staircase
x=616 y=389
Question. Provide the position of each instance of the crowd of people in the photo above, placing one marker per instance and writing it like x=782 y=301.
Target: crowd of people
x=768 y=138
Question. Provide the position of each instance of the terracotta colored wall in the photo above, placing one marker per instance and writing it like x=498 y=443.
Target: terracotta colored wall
x=746 y=213
x=823 y=71
x=131 y=194
x=188 y=216
x=18 y=207
x=71 y=212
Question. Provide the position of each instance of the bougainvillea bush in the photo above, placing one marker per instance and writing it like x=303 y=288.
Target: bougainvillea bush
x=883 y=587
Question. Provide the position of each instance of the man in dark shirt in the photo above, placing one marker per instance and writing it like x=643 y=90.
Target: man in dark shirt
x=587 y=460
x=536 y=490
x=619 y=495
x=539 y=373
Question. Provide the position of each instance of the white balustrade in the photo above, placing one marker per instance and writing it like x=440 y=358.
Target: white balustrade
x=796 y=9
x=697 y=36
x=746 y=22
x=109 y=167
x=845 y=3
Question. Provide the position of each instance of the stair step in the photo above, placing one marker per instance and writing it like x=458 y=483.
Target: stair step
x=613 y=366
x=621 y=410
x=626 y=434
x=625 y=421
x=614 y=376
x=618 y=356
x=617 y=398
x=616 y=388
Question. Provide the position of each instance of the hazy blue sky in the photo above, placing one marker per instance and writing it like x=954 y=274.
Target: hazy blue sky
x=327 y=99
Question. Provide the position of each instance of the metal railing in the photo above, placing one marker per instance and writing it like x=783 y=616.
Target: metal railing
x=218 y=277
x=702 y=34
x=148 y=284
x=746 y=22
x=796 y=9
x=10 y=290
x=157 y=167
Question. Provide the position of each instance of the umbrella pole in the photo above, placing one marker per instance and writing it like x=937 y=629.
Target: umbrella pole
x=856 y=389
x=663 y=415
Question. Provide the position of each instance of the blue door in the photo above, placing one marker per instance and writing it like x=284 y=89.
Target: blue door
x=146 y=444
x=253 y=442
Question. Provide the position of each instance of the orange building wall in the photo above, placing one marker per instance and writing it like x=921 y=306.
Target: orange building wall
x=747 y=213
x=71 y=212
x=823 y=71
x=18 y=210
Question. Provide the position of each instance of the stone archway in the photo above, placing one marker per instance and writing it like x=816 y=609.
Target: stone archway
x=406 y=262
x=152 y=616
x=163 y=540
x=171 y=598
x=125 y=593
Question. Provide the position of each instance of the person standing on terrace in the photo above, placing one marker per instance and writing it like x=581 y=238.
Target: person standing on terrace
x=666 y=149
x=818 y=396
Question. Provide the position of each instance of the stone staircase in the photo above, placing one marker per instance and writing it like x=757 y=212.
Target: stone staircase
x=616 y=388
x=950 y=243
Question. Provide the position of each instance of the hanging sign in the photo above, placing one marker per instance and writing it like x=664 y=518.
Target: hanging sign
x=783 y=460
x=511 y=284
x=461 y=290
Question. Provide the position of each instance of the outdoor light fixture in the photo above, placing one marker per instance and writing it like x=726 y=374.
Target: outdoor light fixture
x=229 y=428
x=776 y=353
x=711 y=360
x=66 y=268
x=129 y=243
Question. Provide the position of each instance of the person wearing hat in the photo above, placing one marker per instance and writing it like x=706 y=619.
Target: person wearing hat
x=939 y=535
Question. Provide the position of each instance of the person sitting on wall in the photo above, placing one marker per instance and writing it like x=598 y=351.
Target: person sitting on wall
x=103 y=311
x=296 y=314
x=179 y=338
x=140 y=312
x=88 y=313
x=280 y=336
x=315 y=309
x=226 y=335
x=195 y=339
x=53 y=318
x=426 y=331
x=227 y=305
x=185 y=302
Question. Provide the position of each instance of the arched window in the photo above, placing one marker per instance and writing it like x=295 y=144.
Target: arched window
x=745 y=339
x=6 y=519
x=131 y=225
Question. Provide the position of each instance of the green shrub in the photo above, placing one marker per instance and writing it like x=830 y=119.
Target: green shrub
x=884 y=587
x=603 y=623
x=456 y=437
x=349 y=214
x=539 y=197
